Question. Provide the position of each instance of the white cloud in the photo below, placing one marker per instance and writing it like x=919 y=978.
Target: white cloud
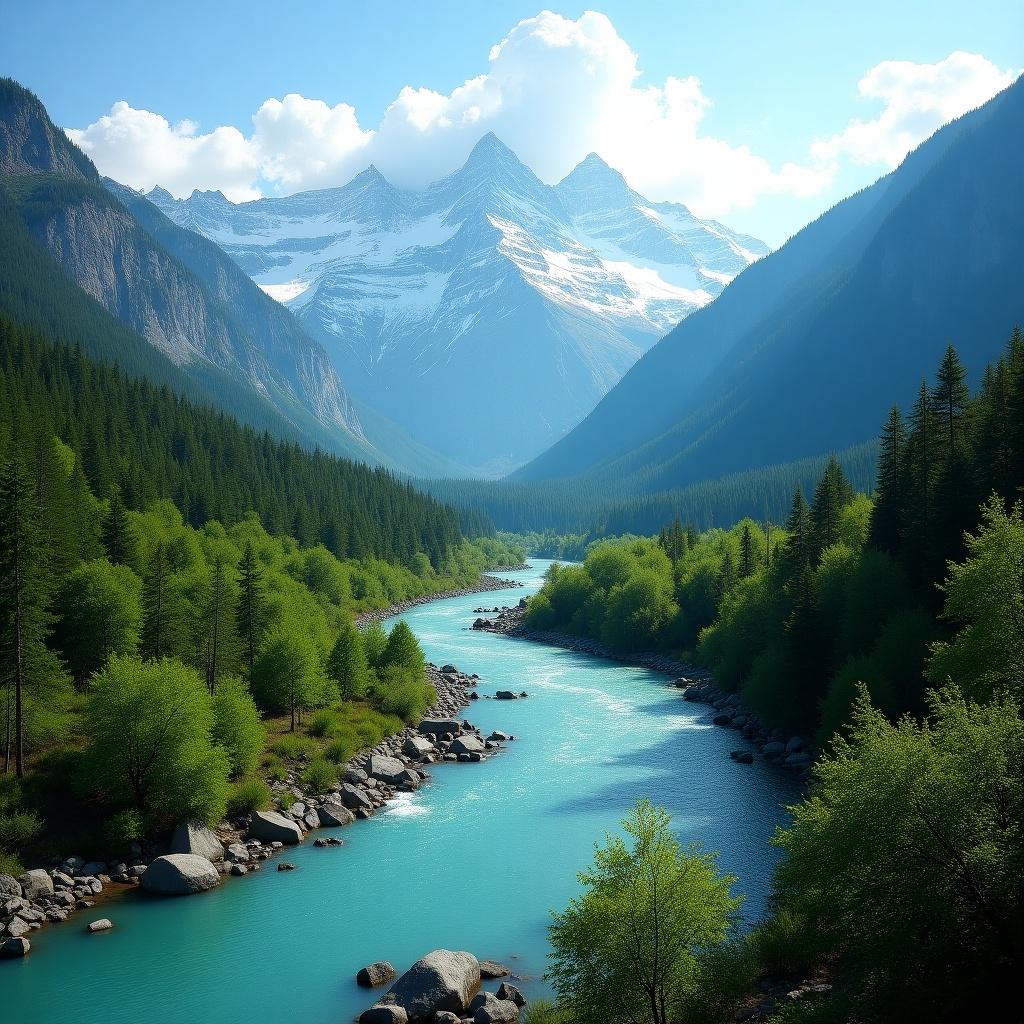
x=916 y=100
x=555 y=89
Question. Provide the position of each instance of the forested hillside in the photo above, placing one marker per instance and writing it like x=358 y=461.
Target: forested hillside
x=161 y=564
x=899 y=592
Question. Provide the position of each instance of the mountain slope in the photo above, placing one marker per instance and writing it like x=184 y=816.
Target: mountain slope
x=787 y=361
x=170 y=286
x=510 y=304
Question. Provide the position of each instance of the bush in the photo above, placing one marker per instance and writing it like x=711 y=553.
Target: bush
x=237 y=725
x=249 y=795
x=544 y=1011
x=320 y=776
x=124 y=828
x=275 y=768
x=293 y=747
x=784 y=944
x=401 y=692
x=322 y=723
x=338 y=751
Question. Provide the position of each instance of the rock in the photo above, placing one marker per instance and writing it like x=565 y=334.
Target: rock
x=795 y=745
x=386 y=769
x=180 y=874
x=354 y=798
x=17 y=927
x=506 y=695
x=332 y=815
x=14 y=947
x=797 y=760
x=492 y=969
x=449 y=669
x=311 y=820
x=239 y=869
x=104 y=924
x=489 y=1009
x=723 y=718
x=511 y=993
x=238 y=853
x=194 y=837
x=94 y=867
x=9 y=886
x=467 y=745
x=384 y=1013
x=773 y=748
x=375 y=975
x=442 y=980
x=438 y=726
x=286 y=865
x=417 y=746
x=499 y=737
x=35 y=884
x=62 y=881
x=742 y=756
x=272 y=826
x=446 y=1017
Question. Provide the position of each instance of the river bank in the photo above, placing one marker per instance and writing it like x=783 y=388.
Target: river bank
x=697 y=684
x=238 y=846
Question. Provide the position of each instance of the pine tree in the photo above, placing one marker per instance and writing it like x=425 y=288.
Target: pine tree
x=249 y=615
x=747 y=558
x=950 y=397
x=797 y=550
x=831 y=496
x=156 y=641
x=726 y=579
x=116 y=533
x=218 y=619
x=920 y=479
x=25 y=584
x=887 y=514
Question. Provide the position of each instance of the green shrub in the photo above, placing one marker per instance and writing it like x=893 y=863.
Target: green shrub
x=402 y=692
x=237 y=725
x=18 y=829
x=249 y=795
x=292 y=747
x=276 y=770
x=10 y=865
x=124 y=828
x=322 y=723
x=544 y=1011
x=784 y=944
x=320 y=775
x=340 y=750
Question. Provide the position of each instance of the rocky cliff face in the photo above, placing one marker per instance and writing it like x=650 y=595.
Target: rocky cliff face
x=173 y=287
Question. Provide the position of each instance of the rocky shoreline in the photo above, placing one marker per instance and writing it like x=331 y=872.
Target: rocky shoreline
x=484 y=585
x=697 y=685
x=197 y=857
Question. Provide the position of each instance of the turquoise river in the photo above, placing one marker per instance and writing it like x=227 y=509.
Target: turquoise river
x=475 y=860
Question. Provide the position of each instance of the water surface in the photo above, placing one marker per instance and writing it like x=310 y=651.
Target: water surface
x=475 y=860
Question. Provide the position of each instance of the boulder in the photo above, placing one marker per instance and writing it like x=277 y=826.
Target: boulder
x=386 y=769
x=14 y=946
x=442 y=980
x=180 y=874
x=511 y=993
x=194 y=837
x=375 y=975
x=9 y=886
x=35 y=884
x=272 y=826
x=354 y=798
x=104 y=924
x=331 y=815
x=489 y=1009
x=18 y=926
x=492 y=969
x=467 y=745
x=506 y=695
x=384 y=1013
x=449 y=669
x=795 y=745
x=797 y=760
x=438 y=726
x=773 y=748
x=446 y=1017
x=417 y=746
x=238 y=853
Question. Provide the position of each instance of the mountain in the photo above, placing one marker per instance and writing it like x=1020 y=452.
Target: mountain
x=487 y=313
x=170 y=286
x=805 y=351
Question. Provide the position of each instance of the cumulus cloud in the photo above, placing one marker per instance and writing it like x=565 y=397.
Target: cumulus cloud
x=554 y=90
x=916 y=100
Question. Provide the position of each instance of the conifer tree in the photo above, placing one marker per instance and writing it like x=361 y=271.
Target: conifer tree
x=249 y=615
x=832 y=494
x=25 y=584
x=116 y=533
x=950 y=397
x=888 y=511
x=797 y=550
x=218 y=619
x=347 y=664
x=746 y=551
x=156 y=640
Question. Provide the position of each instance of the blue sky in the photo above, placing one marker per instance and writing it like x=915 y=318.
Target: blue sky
x=764 y=141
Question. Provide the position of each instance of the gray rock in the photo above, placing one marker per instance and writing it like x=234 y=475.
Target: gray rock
x=35 y=884
x=492 y=969
x=195 y=837
x=795 y=745
x=272 y=826
x=180 y=874
x=506 y=695
x=773 y=748
x=488 y=1009
x=237 y=870
x=238 y=853
x=383 y=1013
x=375 y=975
x=17 y=927
x=417 y=746
x=447 y=1017
x=797 y=760
x=94 y=867
x=311 y=819
x=385 y=768
x=331 y=815
x=511 y=993
x=62 y=881
x=9 y=886
x=354 y=798
x=467 y=745
x=104 y=924
x=439 y=726
x=14 y=947
x=442 y=980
